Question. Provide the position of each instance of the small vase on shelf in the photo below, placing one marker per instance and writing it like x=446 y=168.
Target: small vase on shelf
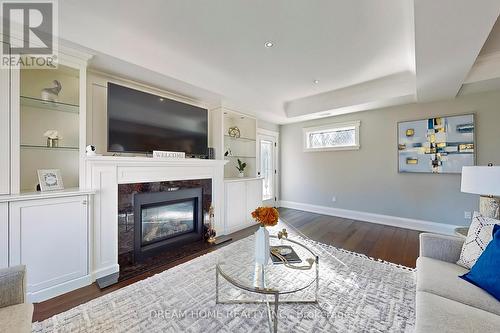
x=241 y=175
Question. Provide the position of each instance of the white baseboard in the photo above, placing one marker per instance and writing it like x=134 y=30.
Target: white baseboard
x=395 y=221
x=45 y=294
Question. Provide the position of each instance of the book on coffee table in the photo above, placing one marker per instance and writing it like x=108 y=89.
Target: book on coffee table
x=286 y=252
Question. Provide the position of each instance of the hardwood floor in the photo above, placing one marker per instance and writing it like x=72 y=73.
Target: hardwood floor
x=388 y=243
x=378 y=241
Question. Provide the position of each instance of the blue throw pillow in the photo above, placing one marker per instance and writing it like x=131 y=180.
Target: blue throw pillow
x=486 y=271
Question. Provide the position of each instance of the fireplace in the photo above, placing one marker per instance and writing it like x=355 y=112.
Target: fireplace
x=164 y=220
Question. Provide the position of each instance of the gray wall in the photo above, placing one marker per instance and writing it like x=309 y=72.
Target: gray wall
x=368 y=180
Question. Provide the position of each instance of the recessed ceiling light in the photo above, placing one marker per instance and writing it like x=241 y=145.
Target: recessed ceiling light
x=268 y=44
x=316 y=81
x=161 y=99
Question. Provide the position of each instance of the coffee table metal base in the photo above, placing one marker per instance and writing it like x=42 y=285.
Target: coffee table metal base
x=272 y=306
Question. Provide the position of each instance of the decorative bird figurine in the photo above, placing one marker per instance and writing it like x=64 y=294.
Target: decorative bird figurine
x=51 y=94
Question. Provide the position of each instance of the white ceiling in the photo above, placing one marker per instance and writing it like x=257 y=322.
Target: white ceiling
x=364 y=53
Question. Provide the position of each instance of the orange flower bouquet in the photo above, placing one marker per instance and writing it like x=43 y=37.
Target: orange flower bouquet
x=266 y=216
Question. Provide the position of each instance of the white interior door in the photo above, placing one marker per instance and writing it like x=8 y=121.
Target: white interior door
x=268 y=168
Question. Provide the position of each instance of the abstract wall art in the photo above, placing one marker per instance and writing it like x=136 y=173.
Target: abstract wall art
x=436 y=145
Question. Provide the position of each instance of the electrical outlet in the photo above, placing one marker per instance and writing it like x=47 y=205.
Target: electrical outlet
x=467 y=215
x=334 y=199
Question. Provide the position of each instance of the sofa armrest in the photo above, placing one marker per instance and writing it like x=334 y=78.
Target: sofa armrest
x=12 y=285
x=441 y=247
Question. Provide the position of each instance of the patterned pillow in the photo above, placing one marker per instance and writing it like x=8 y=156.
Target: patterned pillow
x=478 y=237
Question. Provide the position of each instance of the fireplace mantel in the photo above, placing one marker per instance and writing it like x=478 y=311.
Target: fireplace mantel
x=104 y=173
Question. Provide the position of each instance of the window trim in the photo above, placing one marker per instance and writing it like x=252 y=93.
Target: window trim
x=331 y=126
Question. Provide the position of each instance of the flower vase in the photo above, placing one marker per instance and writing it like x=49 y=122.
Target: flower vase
x=262 y=246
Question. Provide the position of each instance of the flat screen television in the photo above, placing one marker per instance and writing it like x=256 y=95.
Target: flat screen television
x=139 y=122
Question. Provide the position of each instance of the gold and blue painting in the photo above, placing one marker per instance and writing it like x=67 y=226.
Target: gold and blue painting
x=436 y=145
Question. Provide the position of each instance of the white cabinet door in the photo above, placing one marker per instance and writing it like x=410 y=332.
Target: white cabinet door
x=49 y=236
x=4 y=234
x=235 y=206
x=253 y=198
x=4 y=130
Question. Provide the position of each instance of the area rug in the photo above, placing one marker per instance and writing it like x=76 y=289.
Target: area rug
x=356 y=294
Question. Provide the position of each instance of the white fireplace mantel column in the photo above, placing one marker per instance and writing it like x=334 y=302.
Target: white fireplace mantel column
x=104 y=173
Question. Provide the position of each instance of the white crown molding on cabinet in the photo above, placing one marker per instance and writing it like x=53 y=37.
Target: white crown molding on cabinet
x=395 y=221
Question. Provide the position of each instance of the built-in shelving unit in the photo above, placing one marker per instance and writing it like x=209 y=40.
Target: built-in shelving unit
x=39 y=114
x=242 y=146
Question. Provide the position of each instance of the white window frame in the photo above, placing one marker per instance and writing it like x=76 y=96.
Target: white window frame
x=331 y=126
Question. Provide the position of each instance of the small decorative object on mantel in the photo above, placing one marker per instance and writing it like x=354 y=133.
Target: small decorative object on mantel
x=168 y=154
x=90 y=150
x=210 y=230
x=267 y=217
x=211 y=153
x=241 y=168
x=53 y=138
x=51 y=94
x=50 y=179
x=234 y=132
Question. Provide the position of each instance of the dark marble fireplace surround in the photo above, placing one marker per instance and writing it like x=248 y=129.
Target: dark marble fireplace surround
x=129 y=266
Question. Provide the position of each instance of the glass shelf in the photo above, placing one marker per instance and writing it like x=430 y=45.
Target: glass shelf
x=239 y=156
x=48 y=105
x=49 y=148
x=239 y=139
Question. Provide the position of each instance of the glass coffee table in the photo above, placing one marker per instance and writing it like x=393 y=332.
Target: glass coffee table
x=270 y=281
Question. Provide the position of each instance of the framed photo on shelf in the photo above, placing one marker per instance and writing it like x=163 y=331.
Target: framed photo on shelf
x=50 y=179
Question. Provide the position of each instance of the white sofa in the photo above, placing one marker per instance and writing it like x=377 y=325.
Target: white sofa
x=445 y=302
x=15 y=312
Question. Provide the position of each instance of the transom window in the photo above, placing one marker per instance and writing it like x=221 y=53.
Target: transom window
x=339 y=136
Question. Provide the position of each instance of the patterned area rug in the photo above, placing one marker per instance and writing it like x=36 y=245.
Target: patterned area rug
x=357 y=294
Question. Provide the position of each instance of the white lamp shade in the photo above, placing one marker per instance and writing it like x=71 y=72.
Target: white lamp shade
x=483 y=180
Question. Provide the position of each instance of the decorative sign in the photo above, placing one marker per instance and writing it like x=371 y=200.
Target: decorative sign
x=168 y=154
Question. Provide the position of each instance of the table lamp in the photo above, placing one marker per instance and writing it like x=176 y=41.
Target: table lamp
x=485 y=181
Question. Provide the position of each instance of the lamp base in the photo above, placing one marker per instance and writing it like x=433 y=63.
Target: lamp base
x=489 y=207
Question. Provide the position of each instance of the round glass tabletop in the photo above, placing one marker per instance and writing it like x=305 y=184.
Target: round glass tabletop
x=239 y=268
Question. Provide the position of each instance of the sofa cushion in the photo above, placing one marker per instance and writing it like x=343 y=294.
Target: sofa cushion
x=442 y=278
x=16 y=318
x=486 y=271
x=439 y=314
x=479 y=235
